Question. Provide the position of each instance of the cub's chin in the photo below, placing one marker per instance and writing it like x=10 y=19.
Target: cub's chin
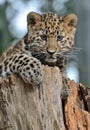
x=51 y=61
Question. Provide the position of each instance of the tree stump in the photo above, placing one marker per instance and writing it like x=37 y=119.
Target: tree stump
x=27 y=107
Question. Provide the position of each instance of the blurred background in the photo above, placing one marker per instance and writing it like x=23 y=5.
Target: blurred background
x=13 y=26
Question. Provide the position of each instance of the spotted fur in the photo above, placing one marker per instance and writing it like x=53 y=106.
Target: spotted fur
x=49 y=38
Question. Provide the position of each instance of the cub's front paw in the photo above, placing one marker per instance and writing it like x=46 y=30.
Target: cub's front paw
x=32 y=71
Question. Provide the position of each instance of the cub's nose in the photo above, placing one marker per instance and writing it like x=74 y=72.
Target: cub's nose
x=51 y=52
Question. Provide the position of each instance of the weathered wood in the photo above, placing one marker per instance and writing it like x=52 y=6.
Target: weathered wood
x=27 y=107
x=77 y=108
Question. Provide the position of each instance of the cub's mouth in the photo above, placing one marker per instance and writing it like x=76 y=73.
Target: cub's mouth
x=51 y=61
x=45 y=59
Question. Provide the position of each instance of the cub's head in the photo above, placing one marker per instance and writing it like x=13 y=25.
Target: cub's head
x=50 y=35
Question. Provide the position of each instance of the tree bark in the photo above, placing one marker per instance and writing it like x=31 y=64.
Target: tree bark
x=77 y=108
x=27 y=107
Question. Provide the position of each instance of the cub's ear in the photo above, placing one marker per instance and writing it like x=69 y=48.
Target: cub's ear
x=33 y=18
x=71 y=20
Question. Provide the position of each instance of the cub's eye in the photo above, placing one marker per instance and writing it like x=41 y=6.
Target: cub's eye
x=44 y=37
x=59 y=38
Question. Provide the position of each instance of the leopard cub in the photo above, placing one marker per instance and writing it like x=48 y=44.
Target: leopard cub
x=49 y=39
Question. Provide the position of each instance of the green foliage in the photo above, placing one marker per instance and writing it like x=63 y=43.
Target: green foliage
x=48 y=5
x=70 y=6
